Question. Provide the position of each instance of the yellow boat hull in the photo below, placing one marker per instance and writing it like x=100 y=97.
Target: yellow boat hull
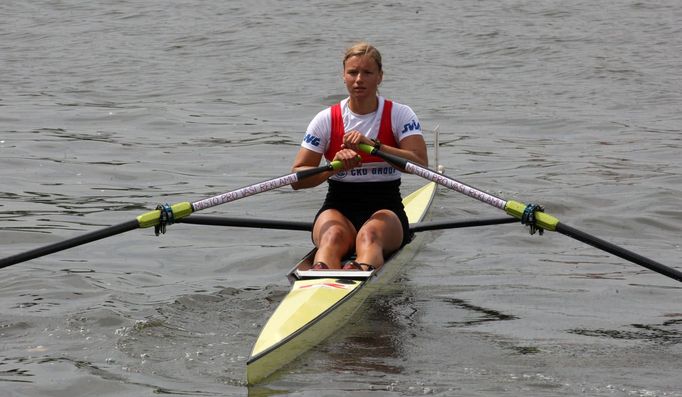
x=320 y=302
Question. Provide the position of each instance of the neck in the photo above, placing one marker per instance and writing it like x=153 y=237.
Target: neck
x=363 y=106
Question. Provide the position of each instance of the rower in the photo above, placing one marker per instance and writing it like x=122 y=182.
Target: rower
x=363 y=211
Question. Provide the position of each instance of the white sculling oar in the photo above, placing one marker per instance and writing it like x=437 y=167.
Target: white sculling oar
x=167 y=214
x=531 y=215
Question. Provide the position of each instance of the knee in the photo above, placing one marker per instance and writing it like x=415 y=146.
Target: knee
x=367 y=236
x=384 y=229
x=335 y=236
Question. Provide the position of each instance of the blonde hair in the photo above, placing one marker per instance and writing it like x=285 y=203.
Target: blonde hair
x=360 y=49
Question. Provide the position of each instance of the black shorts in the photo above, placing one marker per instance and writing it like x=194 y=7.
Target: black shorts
x=359 y=201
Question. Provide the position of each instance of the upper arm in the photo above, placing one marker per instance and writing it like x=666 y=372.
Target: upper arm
x=408 y=134
x=416 y=145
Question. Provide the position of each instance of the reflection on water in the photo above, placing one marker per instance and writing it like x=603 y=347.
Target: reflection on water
x=667 y=333
x=380 y=339
x=485 y=314
x=373 y=339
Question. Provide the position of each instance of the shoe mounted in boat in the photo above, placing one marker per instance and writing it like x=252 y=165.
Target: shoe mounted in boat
x=319 y=266
x=353 y=265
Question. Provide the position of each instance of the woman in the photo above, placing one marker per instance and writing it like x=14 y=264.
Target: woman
x=363 y=211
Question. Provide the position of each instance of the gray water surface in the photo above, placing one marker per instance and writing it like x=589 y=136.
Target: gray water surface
x=109 y=108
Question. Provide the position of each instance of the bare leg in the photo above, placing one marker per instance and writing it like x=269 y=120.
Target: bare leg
x=378 y=237
x=334 y=236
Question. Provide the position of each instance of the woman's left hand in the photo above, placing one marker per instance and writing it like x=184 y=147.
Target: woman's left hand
x=352 y=139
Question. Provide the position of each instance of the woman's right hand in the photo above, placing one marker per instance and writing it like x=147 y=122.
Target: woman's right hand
x=349 y=158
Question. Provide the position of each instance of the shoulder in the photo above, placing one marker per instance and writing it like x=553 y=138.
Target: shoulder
x=323 y=114
x=318 y=133
x=404 y=120
x=401 y=110
x=321 y=121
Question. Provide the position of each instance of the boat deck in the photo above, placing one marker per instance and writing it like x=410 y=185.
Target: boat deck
x=352 y=274
x=320 y=301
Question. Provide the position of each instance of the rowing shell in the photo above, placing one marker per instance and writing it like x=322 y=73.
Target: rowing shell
x=321 y=301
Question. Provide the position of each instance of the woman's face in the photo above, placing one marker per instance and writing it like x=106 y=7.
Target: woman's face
x=362 y=76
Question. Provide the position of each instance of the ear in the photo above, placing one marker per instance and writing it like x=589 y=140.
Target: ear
x=381 y=77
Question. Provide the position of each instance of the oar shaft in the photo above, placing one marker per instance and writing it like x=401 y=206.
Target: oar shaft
x=261 y=187
x=618 y=251
x=181 y=210
x=178 y=211
x=455 y=185
x=439 y=225
x=210 y=220
x=439 y=178
x=242 y=222
x=517 y=210
x=69 y=243
x=511 y=207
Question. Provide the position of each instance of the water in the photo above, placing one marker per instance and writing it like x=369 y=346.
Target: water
x=109 y=108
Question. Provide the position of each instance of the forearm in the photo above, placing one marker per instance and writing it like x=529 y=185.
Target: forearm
x=310 y=181
x=414 y=155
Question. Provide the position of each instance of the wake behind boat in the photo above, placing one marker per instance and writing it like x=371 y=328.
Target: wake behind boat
x=321 y=301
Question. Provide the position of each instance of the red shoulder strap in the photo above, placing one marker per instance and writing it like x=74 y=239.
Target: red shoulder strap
x=338 y=130
x=386 y=129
